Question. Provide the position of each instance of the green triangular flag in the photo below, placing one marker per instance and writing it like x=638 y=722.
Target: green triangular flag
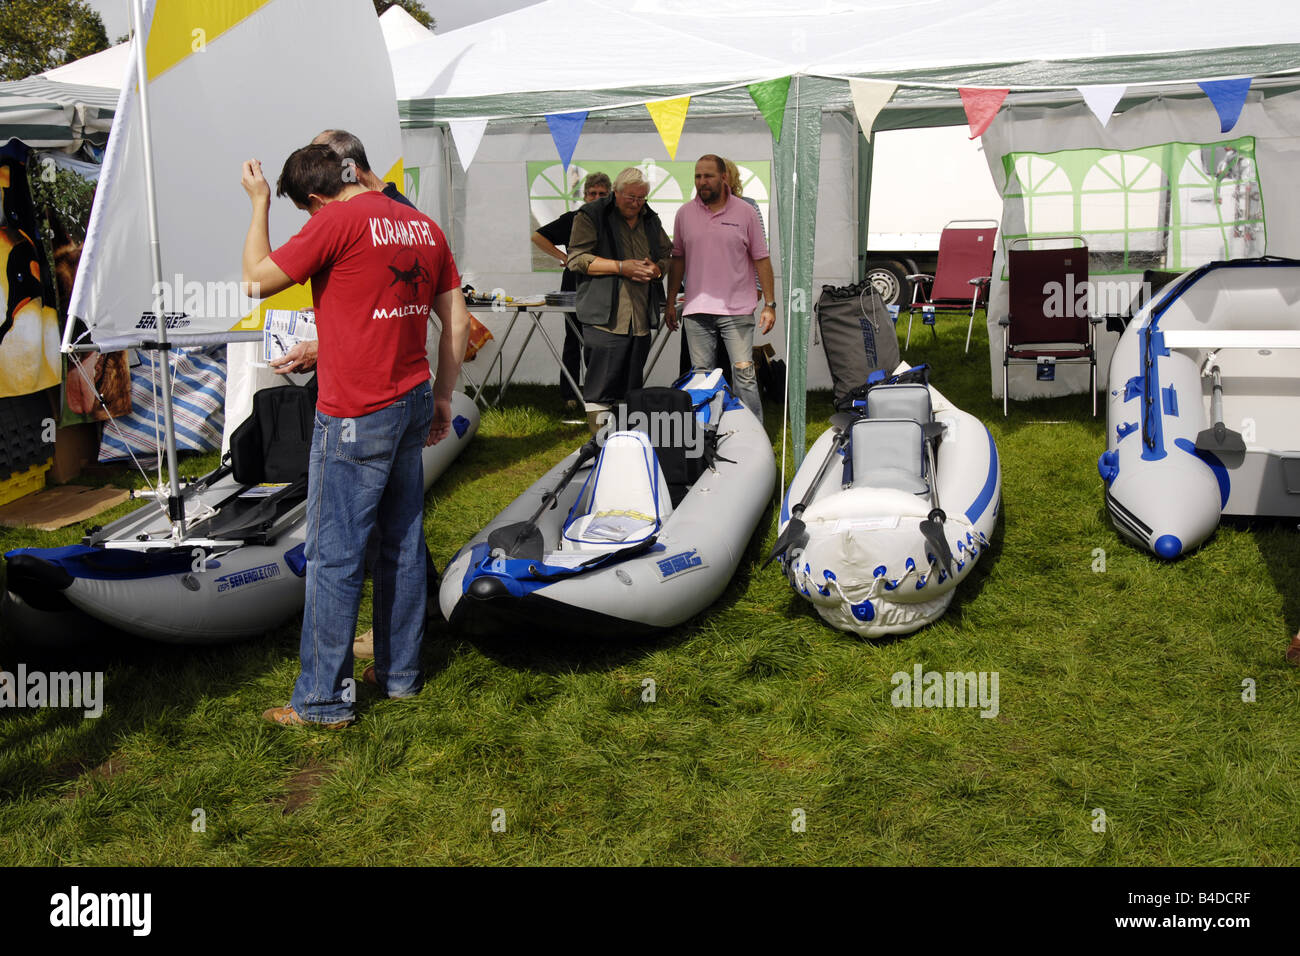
x=769 y=96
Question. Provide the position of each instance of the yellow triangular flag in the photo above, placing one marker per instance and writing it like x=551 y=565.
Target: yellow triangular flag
x=869 y=98
x=669 y=117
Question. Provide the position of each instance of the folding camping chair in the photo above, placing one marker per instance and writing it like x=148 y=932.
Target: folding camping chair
x=1040 y=284
x=965 y=260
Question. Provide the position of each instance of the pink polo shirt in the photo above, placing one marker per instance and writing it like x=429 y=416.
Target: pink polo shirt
x=720 y=249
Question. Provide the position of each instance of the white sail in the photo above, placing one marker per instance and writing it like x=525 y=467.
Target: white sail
x=229 y=81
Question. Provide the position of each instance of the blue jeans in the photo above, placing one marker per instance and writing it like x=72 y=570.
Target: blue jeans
x=365 y=472
x=737 y=333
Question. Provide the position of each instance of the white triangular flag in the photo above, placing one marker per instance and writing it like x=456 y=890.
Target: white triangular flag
x=1102 y=100
x=869 y=98
x=467 y=134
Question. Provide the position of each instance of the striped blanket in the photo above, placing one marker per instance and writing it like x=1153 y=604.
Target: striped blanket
x=198 y=405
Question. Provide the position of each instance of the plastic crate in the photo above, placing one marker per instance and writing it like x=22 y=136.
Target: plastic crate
x=23 y=483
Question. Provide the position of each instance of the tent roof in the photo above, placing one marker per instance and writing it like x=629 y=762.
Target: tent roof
x=661 y=48
x=105 y=68
x=401 y=29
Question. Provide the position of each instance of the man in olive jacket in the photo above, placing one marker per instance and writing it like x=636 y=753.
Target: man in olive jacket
x=620 y=253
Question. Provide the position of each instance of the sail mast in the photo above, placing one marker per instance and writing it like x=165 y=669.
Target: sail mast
x=175 y=508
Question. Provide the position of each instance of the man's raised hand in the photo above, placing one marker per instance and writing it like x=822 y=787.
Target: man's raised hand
x=254 y=182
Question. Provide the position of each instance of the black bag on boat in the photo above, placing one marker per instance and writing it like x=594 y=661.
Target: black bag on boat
x=857 y=334
x=674 y=429
x=274 y=443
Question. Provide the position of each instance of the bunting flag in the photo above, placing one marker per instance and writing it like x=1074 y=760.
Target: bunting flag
x=981 y=106
x=770 y=96
x=1102 y=100
x=669 y=117
x=467 y=134
x=565 y=130
x=869 y=98
x=1228 y=97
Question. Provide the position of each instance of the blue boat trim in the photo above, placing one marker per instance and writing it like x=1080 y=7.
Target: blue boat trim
x=1219 y=469
x=985 y=495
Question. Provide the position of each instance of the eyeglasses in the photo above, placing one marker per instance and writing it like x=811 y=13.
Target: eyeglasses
x=633 y=199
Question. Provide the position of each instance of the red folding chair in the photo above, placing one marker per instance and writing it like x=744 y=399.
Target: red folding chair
x=1047 y=313
x=965 y=260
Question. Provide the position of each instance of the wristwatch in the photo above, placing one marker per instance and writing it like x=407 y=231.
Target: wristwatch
x=769 y=305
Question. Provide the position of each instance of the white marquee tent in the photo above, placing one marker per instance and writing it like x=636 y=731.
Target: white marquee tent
x=616 y=57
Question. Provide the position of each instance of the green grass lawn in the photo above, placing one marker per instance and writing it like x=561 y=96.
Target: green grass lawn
x=1120 y=691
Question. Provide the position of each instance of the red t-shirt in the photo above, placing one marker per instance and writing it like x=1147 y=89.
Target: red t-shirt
x=375 y=267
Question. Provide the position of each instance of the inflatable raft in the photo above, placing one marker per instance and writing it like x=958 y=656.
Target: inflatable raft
x=238 y=573
x=1203 y=415
x=637 y=530
x=891 y=508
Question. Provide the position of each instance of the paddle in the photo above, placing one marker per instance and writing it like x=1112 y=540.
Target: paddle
x=795 y=534
x=932 y=526
x=522 y=539
x=1219 y=437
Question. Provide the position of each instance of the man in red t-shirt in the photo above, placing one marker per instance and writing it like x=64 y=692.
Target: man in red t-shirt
x=377 y=269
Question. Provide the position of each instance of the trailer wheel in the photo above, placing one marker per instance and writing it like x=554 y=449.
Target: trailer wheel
x=889 y=278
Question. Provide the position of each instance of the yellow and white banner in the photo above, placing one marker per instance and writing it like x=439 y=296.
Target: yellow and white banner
x=229 y=80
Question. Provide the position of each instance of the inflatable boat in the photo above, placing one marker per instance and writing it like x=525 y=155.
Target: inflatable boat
x=637 y=530
x=1203 y=411
x=238 y=572
x=891 y=508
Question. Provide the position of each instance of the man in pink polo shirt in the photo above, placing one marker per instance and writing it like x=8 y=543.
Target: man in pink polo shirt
x=718 y=244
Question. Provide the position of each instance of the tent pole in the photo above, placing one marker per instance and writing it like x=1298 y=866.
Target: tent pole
x=175 y=508
x=789 y=291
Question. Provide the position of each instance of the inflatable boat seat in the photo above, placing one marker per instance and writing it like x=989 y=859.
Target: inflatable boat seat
x=274 y=443
x=624 y=501
x=900 y=401
x=888 y=453
x=675 y=432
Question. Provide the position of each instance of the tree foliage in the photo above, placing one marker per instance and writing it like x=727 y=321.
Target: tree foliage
x=38 y=35
x=414 y=7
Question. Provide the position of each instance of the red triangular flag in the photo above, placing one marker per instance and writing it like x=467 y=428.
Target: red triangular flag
x=981 y=106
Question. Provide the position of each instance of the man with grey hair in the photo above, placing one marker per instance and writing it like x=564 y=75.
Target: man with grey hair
x=353 y=153
x=620 y=251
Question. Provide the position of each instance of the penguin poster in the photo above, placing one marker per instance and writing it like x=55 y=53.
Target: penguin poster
x=29 y=328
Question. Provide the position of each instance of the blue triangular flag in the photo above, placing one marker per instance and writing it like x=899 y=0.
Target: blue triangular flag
x=565 y=130
x=1228 y=97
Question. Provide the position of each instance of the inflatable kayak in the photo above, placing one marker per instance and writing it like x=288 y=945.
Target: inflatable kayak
x=637 y=530
x=891 y=508
x=239 y=571
x=1204 y=405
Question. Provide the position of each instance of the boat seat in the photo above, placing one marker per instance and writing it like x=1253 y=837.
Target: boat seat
x=624 y=501
x=888 y=453
x=900 y=401
x=674 y=430
x=273 y=444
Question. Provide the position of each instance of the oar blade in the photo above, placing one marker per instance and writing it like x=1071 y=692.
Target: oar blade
x=522 y=539
x=794 y=537
x=932 y=530
x=1221 y=440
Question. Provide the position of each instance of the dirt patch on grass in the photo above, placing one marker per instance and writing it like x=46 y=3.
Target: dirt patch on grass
x=73 y=769
x=301 y=788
